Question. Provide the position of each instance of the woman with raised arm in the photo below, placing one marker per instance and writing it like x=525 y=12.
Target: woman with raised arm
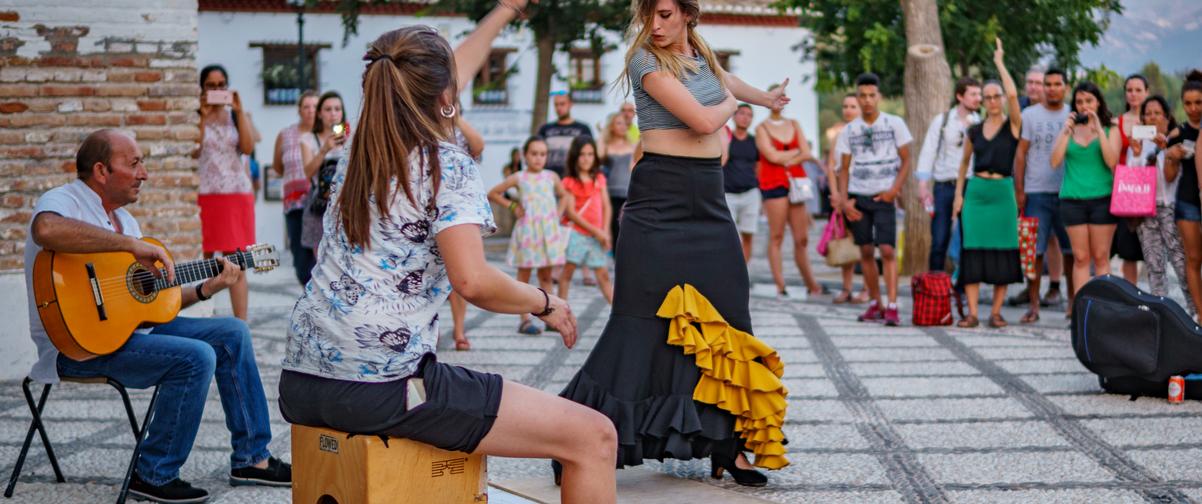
x=671 y=390
x=404 y=224
x=988 y=209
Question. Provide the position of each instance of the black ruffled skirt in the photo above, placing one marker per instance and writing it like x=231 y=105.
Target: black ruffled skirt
x=676 y=229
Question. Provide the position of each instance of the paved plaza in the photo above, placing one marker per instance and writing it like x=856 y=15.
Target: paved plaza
x=875 y=414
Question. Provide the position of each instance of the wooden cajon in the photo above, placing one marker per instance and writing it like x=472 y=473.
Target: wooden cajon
x=330 y=468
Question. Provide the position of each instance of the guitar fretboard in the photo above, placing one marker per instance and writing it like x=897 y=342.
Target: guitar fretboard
x=195 y=271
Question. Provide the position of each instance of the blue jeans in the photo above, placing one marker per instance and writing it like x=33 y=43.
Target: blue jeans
x=941 y=224
x=181 y=356
x=303 y=258
x=1046 y=208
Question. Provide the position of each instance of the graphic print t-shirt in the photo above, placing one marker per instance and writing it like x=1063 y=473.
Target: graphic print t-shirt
x=1040 y=127
x=873 y=148
x=559 y=139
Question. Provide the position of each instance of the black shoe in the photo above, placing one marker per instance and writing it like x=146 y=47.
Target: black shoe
x=277 y=474
x=745 y=477
x=177 y=491
x=1023 y=297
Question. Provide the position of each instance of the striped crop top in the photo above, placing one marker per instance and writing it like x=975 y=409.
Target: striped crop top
x=703 y=85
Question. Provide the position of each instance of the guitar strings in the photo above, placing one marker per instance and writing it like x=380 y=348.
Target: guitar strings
x=203 y=266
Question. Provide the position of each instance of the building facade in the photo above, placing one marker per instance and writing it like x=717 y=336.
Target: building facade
x=257 y=40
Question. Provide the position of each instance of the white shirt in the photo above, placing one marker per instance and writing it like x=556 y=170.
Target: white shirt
x=1166 y=192
x=944 y=164
x=873 y=148
x=74 y=201
x=370 y=315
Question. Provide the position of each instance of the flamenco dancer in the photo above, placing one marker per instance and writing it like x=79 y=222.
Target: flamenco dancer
x=676 y=367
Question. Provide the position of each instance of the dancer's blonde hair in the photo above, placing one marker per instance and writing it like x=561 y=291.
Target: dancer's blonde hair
x=639 y=34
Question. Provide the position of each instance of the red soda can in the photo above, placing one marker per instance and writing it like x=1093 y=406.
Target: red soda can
x=1176 y=390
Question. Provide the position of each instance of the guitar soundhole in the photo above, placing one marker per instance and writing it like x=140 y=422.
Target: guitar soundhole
x=140 y=283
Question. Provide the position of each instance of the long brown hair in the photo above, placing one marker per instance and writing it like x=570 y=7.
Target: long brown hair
x=639 y=34
x=408 y=70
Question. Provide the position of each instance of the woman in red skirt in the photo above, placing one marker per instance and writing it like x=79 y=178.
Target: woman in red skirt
x=227 y=198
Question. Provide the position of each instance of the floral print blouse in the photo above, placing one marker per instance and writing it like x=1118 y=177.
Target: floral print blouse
x=370 y=315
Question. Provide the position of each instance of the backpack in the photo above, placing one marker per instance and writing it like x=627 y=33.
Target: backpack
x=932 y=298
x=1134 y=341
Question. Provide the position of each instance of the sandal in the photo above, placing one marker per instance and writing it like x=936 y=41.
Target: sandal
x=968 y=322
x=997 y=322
x=530 y=328
x=462 y=345
x=859 y=298
x=843 y=297
x=1029 y=318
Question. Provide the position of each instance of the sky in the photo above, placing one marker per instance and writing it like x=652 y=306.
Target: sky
x=1168 y=32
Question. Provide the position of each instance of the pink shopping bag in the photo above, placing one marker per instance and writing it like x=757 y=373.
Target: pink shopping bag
x=1134 y=192
x=834 y=229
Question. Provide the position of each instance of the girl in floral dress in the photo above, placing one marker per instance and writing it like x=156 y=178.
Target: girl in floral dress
x=537 y=242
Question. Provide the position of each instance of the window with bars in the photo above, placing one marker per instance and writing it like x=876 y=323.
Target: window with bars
x=588 y=86
x=490 y=87
x=281 y=75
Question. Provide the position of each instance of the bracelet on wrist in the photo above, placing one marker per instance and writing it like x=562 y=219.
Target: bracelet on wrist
x=547 y=310
x=200 y=294
x=513 y=205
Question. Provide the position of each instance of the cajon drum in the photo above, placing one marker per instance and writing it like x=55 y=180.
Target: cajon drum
x=330 y=468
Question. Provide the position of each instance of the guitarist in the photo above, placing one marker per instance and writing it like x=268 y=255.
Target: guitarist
x=181 y=356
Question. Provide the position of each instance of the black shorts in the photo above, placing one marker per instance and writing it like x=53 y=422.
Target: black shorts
x=1075 y=212
x=460 y=407
x=878 y=226
x=774 y=193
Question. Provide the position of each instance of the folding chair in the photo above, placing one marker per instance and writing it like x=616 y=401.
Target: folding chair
x=37 y=425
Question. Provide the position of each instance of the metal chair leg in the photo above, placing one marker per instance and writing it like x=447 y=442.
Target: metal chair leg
x=139 y=434
x=35 y=410
x=129 y=408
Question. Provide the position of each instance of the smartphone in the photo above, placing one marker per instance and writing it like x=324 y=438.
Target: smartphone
x=1081 y=119
x=339 y=129
x=1146 y=132
x=219 y=97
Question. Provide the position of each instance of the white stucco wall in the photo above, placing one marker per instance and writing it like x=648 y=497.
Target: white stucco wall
x=765 y=56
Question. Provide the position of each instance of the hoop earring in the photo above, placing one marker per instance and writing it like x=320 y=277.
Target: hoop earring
x=448 y=111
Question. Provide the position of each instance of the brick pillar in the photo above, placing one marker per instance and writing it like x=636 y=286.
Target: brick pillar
x=65 y=72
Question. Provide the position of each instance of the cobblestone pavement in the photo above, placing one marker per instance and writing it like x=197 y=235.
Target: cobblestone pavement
x=875 y=414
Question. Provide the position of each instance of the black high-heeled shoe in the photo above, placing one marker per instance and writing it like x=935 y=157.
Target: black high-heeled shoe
x=745 y=477
x=557 y=468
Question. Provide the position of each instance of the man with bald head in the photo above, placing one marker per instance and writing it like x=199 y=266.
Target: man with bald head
x=182 y=357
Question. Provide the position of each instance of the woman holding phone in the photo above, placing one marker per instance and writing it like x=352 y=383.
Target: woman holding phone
x=226 y=196
x=320 y=152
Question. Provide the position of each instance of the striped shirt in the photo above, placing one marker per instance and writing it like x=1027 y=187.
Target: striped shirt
x=703 y=85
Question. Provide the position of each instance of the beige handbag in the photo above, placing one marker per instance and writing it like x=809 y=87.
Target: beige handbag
x=841 y=250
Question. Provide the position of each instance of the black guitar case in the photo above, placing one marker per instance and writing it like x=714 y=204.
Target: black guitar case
x=1134 y=341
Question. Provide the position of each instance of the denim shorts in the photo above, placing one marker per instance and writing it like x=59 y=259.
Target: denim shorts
x=1187 y=211
x=585 y=251
x=1046 y=208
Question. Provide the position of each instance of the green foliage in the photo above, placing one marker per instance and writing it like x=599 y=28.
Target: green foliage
x=855 y=36
x=1159 y=83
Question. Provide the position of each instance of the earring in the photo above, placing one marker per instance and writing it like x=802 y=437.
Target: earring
x=448 y=111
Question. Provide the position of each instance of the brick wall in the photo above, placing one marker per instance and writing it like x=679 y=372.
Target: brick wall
x=68 y=68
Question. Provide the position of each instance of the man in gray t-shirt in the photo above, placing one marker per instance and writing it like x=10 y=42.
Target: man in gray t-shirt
x=1037 y=185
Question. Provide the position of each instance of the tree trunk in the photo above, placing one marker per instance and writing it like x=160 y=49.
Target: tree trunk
x=542 y=86
x=927 y=93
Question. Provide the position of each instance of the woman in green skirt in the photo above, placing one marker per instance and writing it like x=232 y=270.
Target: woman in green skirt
x=988 y=211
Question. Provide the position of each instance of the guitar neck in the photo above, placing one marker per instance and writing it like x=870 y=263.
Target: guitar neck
x=195 y=271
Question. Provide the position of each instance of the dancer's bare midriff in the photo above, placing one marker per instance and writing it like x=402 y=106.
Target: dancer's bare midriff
x=682 y=142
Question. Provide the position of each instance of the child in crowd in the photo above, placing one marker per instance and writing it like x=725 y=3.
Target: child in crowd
x=589 y=238
x=537 y=242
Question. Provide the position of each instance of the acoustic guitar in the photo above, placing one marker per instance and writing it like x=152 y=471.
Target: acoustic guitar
x=90 y=304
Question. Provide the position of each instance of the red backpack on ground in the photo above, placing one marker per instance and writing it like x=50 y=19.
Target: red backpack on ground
x=932 y=298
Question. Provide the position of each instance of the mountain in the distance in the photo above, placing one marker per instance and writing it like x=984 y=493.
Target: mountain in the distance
x=1168 y=32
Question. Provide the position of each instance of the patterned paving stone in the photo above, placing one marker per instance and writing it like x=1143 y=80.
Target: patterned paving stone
x=982 y=435
x=1171 y=465
x=1113 y=404
x=1013 y=468
x=1092 y=496
x=1041 y=366
x=824 y=437
x=931 y=386
x=1148 y=431
x=869 y=369
x=953 y=409
x=1080 y=382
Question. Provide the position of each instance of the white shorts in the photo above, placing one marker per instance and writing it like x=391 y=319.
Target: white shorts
x=745 y=210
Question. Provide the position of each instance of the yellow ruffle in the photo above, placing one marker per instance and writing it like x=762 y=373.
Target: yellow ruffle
x=731 y=376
